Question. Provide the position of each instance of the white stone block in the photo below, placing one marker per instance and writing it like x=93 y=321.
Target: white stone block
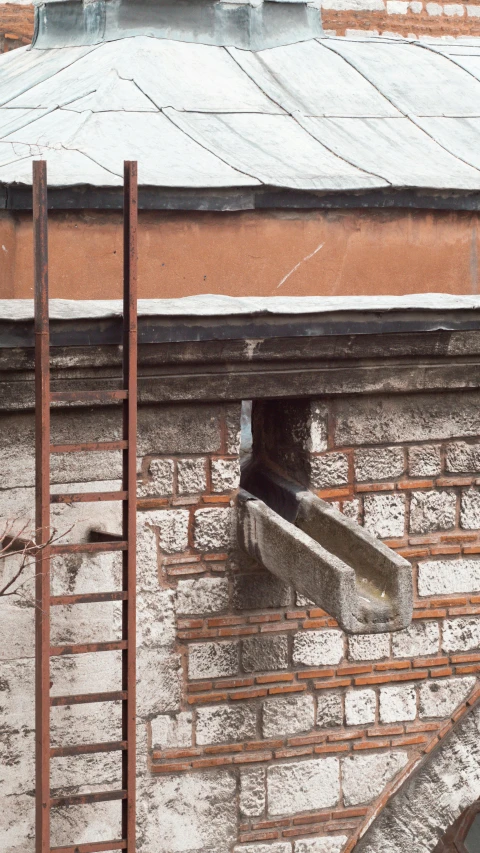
x=252 y=791
x=225 y=723
x=318 y=648
x=303 y=786
x=454 y=10
x=364 y=777
x=202 y=596
x=189 y=812
x=368 y=646
x=355 y=5
x=327 y=844
x=462 y=634
x=384 y=515
x=360 y=707
x=172 y=529
x=192 y=476
x=399 y=418
x=317 y=439
x=430 y=511
x=417 y=7
x=418 y=640
x=147 y=551
x=276 y=847
x=381 y=463
x=460 y=457
x=156 y=622
x=225 y=475
x=160 y=480
x=212 y=660
x=397 y=7
x=434 y=9
x=423 y=461
x=287 y=715
x=329 y=709
x=470 y=510
x=351 y=509
x=442 y=577
x=213 y=529
x=440 y=697
x=328 y=471
x=473 y=11
x=172 y=731
x=398 y=702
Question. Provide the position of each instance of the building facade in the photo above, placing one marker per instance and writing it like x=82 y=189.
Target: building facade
x=263 y=726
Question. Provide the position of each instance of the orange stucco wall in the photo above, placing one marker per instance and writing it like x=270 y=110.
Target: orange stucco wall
x=250 y=253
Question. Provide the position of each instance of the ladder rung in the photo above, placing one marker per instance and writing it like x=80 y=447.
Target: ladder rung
x=87 y=598
x=88 y=497
x=89 y=698
x=89 y=446
x=93 y=847
x=88 y=547
x=84 y=799
x=87 y=648
x=88 y=748
x=101 y=396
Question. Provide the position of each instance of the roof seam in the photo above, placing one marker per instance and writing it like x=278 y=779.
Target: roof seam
x=51 y=76
x=289 y=113
x=407 y=116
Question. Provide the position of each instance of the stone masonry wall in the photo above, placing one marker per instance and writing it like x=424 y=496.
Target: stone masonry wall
x=262 y=728
x=406 y=18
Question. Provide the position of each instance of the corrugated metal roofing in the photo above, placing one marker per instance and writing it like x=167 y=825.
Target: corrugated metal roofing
x=326 y=114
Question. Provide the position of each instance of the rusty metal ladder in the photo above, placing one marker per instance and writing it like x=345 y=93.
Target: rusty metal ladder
x=45 y=753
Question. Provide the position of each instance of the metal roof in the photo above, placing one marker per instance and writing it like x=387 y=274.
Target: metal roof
x=324 y=115
x=222 y=318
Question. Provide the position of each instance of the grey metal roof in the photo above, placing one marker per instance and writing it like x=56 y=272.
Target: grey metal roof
x=331 y=115
x=217 y=317
x=219 y=305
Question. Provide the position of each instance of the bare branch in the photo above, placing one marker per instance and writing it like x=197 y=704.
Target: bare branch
x=13 y=544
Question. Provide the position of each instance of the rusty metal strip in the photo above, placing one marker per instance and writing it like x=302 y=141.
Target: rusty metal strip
x=88 y=748
x=85 y=799
x=109 y=542
x=130 y=346
x=89 y=497
x=88 y=648
x=88 y=547
x=89 y=698
x=99 y=396
x=90 y=447
x=94 y=847
x=86 y=598
x=42 y=510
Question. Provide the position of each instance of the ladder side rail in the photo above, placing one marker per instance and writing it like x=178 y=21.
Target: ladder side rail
x=42 y=509
x=130 y=346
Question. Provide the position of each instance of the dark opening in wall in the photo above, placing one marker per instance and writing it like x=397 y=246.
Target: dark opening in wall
x=246 y=438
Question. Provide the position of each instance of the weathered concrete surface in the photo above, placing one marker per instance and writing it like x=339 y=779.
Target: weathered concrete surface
x=188 y=814
x=249 y=253
x=447 y=781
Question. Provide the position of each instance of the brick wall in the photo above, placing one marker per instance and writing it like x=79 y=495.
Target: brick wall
x=16 y=25
x=408 y=18
x=315 y=725
x=263 y=728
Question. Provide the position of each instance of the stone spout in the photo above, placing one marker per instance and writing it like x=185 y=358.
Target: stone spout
x=330 y=559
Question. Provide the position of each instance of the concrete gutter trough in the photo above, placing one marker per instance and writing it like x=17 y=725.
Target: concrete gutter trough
x=330 y=559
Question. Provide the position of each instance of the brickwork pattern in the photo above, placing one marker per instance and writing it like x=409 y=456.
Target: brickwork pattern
x=16 y=26
x=300 y=713
x=262 y=727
